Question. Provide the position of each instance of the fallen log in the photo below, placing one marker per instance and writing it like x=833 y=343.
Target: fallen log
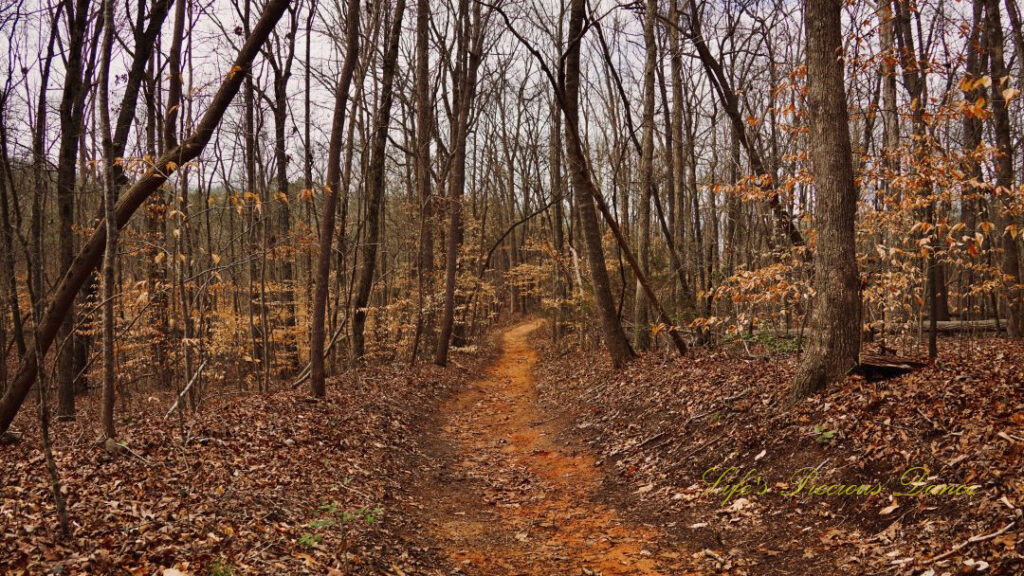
x=875 y=367
x=963 y=325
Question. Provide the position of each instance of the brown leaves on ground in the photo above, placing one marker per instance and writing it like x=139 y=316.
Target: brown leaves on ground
x=276 y=484
x=264 y=484
x=664 y=421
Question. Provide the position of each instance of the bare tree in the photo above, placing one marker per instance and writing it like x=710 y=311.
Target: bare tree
x=91 y=252
x=110 y=223
x=585 y=191
x=375 y=183
x=1004 y=167
x=331 y=190
x=470 y=56
x=834 y=346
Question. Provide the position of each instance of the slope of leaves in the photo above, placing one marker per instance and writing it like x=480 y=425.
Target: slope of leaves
x=661 y=423
x=264 y=484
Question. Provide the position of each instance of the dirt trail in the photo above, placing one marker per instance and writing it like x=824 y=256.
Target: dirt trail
x=514 y=500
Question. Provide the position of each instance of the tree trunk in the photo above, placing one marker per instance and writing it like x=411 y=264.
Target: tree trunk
x=71 y=114
x=557 y=195
x=110 y=222
x=1004 y=170
x=7 y=259
x=834 y=343
x=472 y=52
x=584 y=192
x=641 y=317
x=284 y=199
x=916 y=82
x=890 y=115
x=972 y=197
x=424 y=131
x=679 y=152
x=375 y=185
x=323 y=266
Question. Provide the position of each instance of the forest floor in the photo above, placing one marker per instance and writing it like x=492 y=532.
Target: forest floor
x=665 y=429
x=253 y=483
x=523 y=458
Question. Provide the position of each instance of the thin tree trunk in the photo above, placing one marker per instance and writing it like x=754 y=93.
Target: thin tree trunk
x=375 y=185
x=110 y=222
x=472 y=54
x=323 y=268
x=915 y=80
x=557 y=194
x=7 y=235
x=71 y=123
x=424 y=130
x=283 y=201
x=679 y=152
x=641 y=317
x=890 y=115
x=972 y=202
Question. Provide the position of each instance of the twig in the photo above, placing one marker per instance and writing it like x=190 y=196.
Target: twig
x=307 y=370
x=932 y=422
x=181 y=396
x=135 y=454
x=718 y=557
x=696 y=417
x=972 y=540
x=737 y=396
x=647 y=442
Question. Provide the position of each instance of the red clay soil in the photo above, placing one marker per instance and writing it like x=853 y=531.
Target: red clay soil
x=517 y=500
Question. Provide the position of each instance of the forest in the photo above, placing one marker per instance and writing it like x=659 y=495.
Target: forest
x=511 y=287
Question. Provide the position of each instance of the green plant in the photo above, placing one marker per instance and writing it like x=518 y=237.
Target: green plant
x=331 y=514
x=329 y=508
x=320 y=523
x=368 y=515
x=823 y=436
x=774 y=344
x=310 y=540
x=219 y=569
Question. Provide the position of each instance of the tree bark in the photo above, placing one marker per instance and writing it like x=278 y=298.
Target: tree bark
x=110 y=223
x=375 y=185
x=834 y=344
x=1004 y=169
x=585 y=191
x=323 y=267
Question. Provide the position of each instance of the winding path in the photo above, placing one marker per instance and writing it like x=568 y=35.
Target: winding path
x=514 y=500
